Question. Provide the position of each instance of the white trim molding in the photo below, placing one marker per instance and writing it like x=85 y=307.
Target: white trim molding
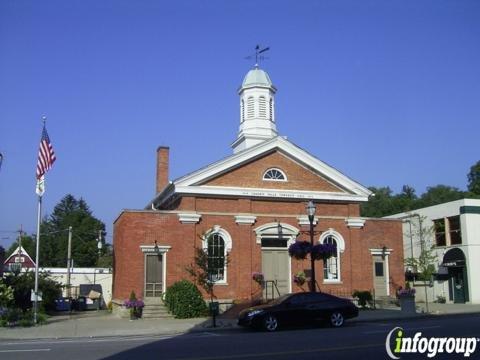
x=340 y=249
x=303 y=220
x=338 y=238
x=189 y=218
x=245 y=219
x=272 y=229
x=384 y=252
x=355 y=223
x=216 y=229
x=152 y=250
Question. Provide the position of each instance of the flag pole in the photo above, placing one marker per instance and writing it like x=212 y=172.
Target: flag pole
x=37 y=260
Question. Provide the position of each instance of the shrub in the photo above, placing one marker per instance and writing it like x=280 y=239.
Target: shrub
x=184 y=300
x=23 y=283
x=363 y=297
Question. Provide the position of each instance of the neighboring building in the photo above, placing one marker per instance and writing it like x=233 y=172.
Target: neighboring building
x=78 y=276
x=453 y=228
x=18 y=260
x=248 y=208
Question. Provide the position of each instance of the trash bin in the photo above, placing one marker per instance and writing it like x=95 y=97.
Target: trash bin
x=63 y=304
x=81 y=303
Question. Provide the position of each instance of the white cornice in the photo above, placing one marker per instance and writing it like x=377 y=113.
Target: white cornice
x=303 y=220
x=153 y=249
x=189 y=218
x=245 y=219
x=356 y=223
x=268 y=193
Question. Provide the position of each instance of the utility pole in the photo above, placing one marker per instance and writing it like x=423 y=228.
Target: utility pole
x=69 y=261
x=99 y=245
x=19 y=254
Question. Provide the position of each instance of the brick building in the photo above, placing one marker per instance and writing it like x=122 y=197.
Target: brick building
x=250 y=207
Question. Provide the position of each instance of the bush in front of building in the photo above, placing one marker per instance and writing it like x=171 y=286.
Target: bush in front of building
x=184 y=300
x=363 y=298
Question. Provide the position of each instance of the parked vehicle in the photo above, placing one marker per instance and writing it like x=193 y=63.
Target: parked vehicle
x=299 y=309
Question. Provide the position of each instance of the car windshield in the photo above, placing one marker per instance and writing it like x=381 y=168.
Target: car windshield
x=281 y=299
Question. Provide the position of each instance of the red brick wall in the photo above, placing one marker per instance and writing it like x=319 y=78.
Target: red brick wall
x=133 y=229
x=250 y=175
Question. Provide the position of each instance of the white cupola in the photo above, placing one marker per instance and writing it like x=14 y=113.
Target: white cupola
x=257 y=110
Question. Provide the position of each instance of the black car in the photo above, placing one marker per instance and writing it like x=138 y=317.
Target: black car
x=299 y=309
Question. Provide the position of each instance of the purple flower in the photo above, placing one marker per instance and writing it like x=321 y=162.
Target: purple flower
x=299 y=249
x=323 y=251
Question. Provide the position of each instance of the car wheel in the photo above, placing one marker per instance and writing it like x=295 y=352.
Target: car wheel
x=336 y=319
x=270 y=323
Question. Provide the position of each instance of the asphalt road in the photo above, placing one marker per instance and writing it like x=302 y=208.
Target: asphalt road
x=354 y=341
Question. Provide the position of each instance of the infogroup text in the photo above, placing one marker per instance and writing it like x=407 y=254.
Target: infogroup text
x=430 y=346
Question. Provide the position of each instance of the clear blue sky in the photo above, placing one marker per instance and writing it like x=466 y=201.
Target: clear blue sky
x=385 y=91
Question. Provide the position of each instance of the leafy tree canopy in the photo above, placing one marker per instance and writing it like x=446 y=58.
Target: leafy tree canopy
x=54 y=234
x=474 y=178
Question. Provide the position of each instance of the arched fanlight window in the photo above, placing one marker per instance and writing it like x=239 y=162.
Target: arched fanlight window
x=274 y=174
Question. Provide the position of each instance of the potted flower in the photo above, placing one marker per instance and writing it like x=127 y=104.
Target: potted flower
x=135 y=306
x=299 y=278
x=258 y=277
x=406 y=297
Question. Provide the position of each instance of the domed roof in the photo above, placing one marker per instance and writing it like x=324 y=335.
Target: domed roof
x=257 y=77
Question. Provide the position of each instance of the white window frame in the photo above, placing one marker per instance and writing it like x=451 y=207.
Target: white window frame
x=276 y=169
x=340 y=249
x=227 y=248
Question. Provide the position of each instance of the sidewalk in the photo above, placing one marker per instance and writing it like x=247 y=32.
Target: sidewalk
x=103 y=324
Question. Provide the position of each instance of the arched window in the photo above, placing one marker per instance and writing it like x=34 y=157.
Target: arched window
x=216 y=257
x=274 y=174
x=217 y=243
x=331 y=267
x=250 y=107
x=262 y=107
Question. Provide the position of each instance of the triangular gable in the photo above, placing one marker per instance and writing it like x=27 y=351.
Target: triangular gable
x=197 y=182
x=17 y=252
x=296 y=176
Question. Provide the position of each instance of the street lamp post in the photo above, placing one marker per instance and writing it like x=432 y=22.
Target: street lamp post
x=311 y=214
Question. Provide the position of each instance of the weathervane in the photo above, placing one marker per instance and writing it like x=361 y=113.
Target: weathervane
x=258 y=57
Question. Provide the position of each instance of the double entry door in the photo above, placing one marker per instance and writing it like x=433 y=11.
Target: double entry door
x=276 y=267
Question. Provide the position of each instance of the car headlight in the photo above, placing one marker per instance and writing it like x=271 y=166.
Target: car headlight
x=254 y=312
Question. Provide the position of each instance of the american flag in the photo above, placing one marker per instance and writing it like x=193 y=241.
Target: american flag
x=46 y=155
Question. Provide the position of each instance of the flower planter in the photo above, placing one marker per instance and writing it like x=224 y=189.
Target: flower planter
x=407 y=304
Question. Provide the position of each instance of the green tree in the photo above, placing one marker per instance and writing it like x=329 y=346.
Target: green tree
x=423 y=265
x=378 y=205
x=439 y=194
x=474 y=178
x=54 y=234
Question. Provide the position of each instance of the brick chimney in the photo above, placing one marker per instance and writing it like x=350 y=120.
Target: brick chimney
x=162 y=167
